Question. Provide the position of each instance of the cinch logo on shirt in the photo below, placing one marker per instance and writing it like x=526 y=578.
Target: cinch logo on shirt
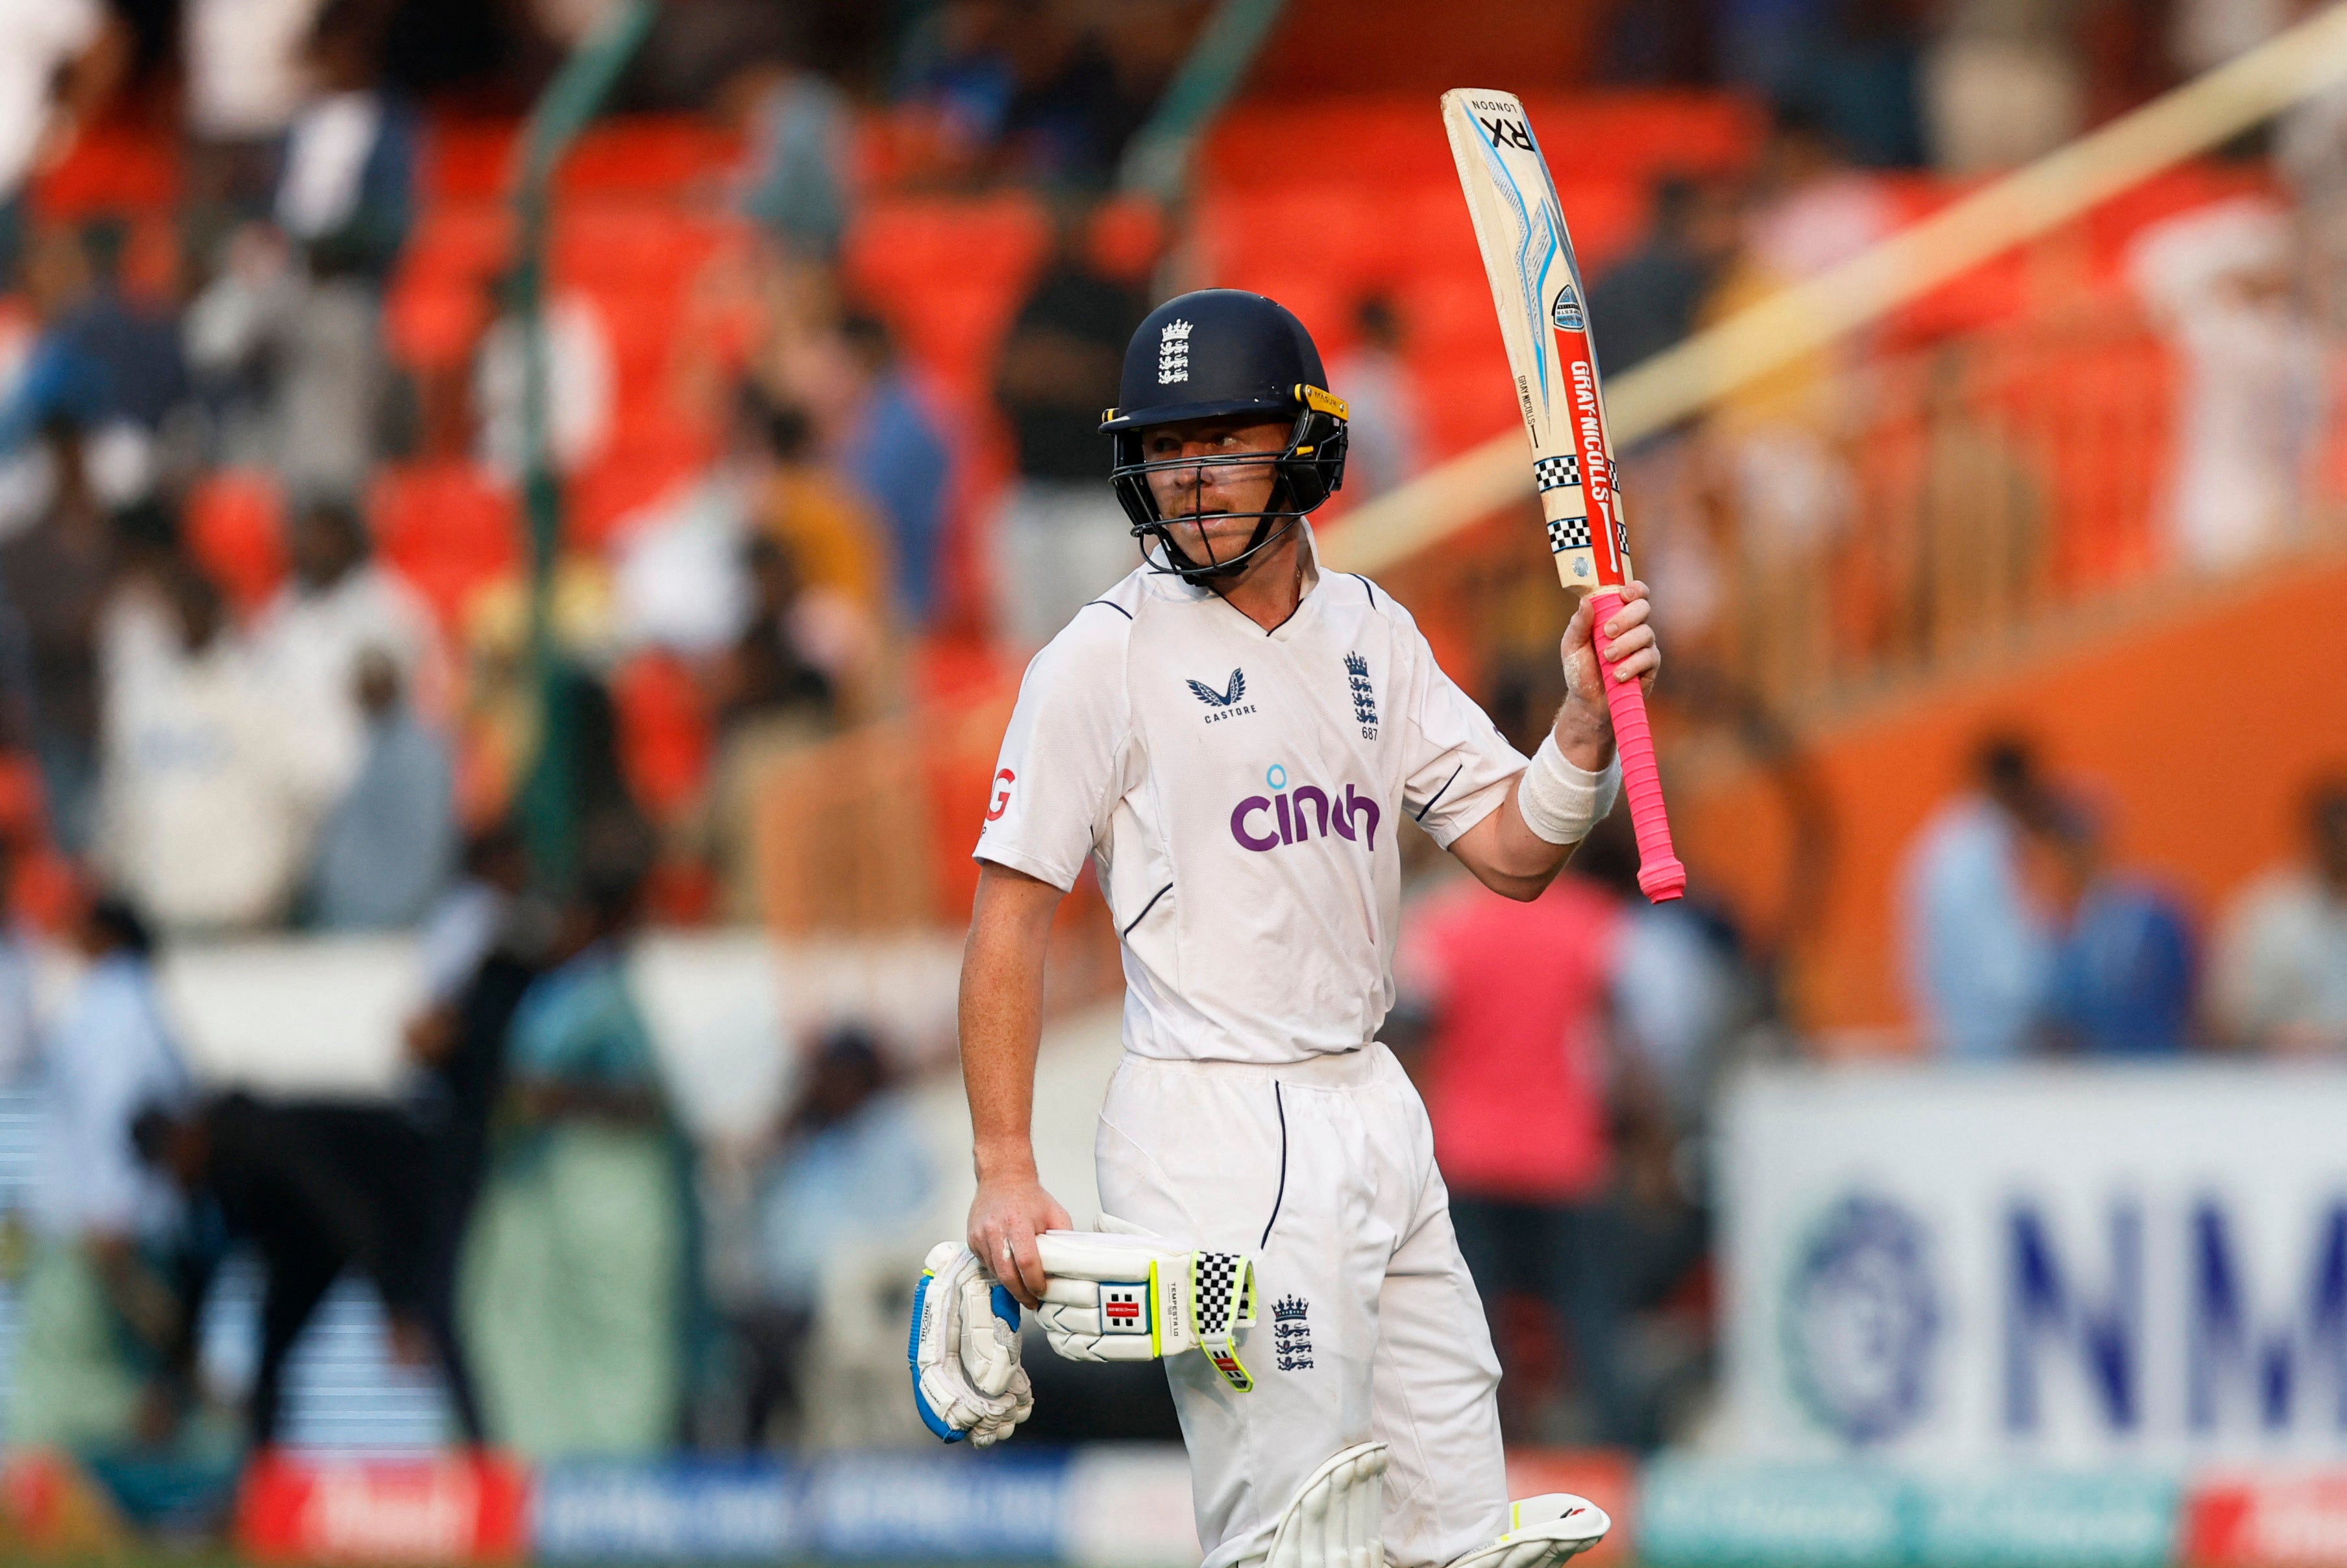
x=1289 y=816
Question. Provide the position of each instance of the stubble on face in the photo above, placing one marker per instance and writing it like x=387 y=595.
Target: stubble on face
x=1243 y=489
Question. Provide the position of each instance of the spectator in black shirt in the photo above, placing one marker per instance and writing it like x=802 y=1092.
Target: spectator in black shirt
x=1649 y=300
x=1063 y=537
x=315 y=1188
x=58 y=576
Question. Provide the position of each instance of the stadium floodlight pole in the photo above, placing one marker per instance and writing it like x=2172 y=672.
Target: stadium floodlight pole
x=2209 y=110
x=548 y=809
x=1158 y=162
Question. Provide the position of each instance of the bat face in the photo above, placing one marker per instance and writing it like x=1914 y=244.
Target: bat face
x=1544 y=319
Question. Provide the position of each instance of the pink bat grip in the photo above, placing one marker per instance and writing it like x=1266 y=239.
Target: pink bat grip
x=1660 y=875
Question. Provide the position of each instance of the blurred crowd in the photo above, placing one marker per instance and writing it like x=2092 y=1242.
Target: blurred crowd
x=1925 y=489
x=579 y=1275
x=340 y=716
x=210 y=752
x=337 y=721
x=543 y=1241
x=2027 y=933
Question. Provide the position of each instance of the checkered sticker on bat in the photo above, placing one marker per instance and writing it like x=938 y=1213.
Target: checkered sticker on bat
x=1559 y=473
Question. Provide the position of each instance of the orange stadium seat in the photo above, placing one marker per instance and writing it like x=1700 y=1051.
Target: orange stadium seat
x=1607 y=217
x=461 y=239
x=1126 y=236
x=1448 y=316
x=665 y=736
x=648 y=461
x=467 y=158
x=1464 y=399
x=447 y=529
x=21 y=805
x=1384 y=140
x=954 y=329
x=641 y=324
x=432 y=324
x=2113 y=225
x=646 y=156
x=233 y=520
x=903 y=245
x=110 y=168
x=629 y=244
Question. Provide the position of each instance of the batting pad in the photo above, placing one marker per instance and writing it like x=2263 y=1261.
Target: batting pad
x=1338 y=1518
x=1542 y=1530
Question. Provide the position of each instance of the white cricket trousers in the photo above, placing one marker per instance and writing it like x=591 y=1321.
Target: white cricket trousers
x=1368 y=1324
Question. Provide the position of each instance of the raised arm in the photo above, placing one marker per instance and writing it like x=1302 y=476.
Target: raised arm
x=1001 y=1028
x=1503 y=850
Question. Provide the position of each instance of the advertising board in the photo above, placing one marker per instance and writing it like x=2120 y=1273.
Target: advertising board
x=2080 y=1267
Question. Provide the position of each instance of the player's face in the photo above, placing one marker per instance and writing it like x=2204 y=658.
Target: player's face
x=1243 y=488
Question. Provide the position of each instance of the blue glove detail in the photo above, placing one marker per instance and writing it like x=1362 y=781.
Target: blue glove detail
x=929 y=1417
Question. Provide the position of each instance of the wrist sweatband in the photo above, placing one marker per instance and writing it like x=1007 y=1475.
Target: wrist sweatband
x=1559 y=802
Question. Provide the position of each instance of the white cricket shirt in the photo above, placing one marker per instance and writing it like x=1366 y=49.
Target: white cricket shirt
x=1242 y=792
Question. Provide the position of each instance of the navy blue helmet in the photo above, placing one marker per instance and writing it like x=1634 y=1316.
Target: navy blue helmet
x=1217 y=352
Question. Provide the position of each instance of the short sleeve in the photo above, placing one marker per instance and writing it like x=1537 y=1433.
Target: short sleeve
x=1055 y=783
x=1459 y=763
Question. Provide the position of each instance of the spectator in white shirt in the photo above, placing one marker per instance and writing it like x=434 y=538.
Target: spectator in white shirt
x=2252 y=387
x=579 y=386
x=244 y=70
x=101 y=1329
x=337 y=604
x=205 y=817
x=346 y=199
x=2279 y=981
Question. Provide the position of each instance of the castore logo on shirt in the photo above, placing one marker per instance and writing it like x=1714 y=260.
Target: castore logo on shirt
x=1225 y=703
x=1297 y=813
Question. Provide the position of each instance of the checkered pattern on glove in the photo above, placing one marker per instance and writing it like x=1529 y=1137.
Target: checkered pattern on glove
x=1128 y=1296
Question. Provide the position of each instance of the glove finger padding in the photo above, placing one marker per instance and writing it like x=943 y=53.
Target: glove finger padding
x=964 y=1350
x=1131 y=1296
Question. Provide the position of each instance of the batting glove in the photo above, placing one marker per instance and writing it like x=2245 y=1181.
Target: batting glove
x=1124 y=1294
x=967 y=1380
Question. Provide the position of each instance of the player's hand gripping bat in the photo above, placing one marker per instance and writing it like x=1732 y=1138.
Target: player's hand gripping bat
x=1544 y=318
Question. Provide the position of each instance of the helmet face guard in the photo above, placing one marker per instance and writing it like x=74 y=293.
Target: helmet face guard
x=1222 y=354
x=1304 y=474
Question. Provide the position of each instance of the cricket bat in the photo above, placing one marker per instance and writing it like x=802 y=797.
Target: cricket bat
x=1544 y=319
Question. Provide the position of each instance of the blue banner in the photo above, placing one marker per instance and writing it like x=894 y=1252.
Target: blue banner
x=689 y=1511
x=961 y=1507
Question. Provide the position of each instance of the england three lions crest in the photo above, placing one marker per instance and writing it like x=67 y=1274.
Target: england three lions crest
x=1173 y=353
x=1291 y=1328
x=1364 y=695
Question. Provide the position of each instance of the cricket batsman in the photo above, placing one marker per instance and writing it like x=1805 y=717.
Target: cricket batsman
x=1233 y=734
